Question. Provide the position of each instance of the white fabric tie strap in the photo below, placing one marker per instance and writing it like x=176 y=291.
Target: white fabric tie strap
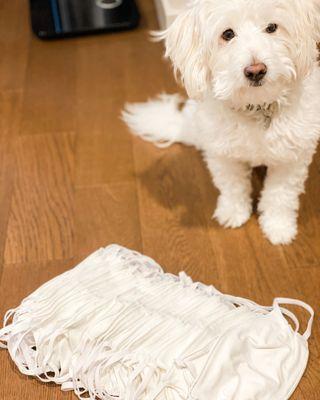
x=284 y=301
x=117 y=326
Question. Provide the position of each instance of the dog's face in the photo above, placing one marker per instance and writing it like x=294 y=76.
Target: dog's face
x=244 y=51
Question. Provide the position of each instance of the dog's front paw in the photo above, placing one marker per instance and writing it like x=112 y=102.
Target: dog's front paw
x=280 y=227
x=231 y=212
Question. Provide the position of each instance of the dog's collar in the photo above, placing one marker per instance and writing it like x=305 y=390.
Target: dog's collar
x=266 y=110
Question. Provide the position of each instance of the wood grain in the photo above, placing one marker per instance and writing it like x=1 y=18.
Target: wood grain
x=73 y=179
x=14 y=44
x=49 y=90
x=111 y=216
x=40 y=223
x=10 y=110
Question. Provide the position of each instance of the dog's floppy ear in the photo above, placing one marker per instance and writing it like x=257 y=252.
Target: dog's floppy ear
x=314 y=15
x=186 y=48
x=307 y=33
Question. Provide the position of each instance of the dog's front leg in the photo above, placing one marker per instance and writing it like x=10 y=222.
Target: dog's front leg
x=233 y=179
x=279 y=202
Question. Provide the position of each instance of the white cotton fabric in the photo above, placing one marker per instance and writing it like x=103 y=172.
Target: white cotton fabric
x=116 y=326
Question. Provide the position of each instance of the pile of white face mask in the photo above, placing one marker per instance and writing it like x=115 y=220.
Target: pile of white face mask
x=118 y=327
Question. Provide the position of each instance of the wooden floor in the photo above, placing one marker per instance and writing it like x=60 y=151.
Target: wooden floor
x=72 y=179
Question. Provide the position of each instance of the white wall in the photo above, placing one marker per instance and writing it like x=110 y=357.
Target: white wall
x=168 y=10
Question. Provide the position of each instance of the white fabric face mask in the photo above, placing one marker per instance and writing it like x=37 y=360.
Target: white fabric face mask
x=260 y=359
x=116 y=326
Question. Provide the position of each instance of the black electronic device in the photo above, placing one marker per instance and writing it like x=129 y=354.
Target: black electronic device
x=62 y=18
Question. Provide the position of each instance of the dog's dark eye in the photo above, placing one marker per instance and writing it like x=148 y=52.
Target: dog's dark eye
x=271 y=28
x=228 y=35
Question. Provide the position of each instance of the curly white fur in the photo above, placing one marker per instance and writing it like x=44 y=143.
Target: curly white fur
x=238 y=125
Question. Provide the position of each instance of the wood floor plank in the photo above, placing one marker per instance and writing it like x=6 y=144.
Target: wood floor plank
x=41 y=217
x=49 y=99
x=105 y=215
x=14 y=386
x=10 y=110
x=103 y=155
x=15 y=33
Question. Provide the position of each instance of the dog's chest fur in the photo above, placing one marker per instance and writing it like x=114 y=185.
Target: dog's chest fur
x=266 y=134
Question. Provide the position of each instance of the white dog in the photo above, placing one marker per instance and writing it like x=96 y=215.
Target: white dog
x=250 y=68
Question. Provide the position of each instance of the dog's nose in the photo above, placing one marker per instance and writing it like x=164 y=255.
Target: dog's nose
x=256 y=72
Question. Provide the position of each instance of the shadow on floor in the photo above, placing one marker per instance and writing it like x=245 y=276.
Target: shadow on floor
x=178 y=180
